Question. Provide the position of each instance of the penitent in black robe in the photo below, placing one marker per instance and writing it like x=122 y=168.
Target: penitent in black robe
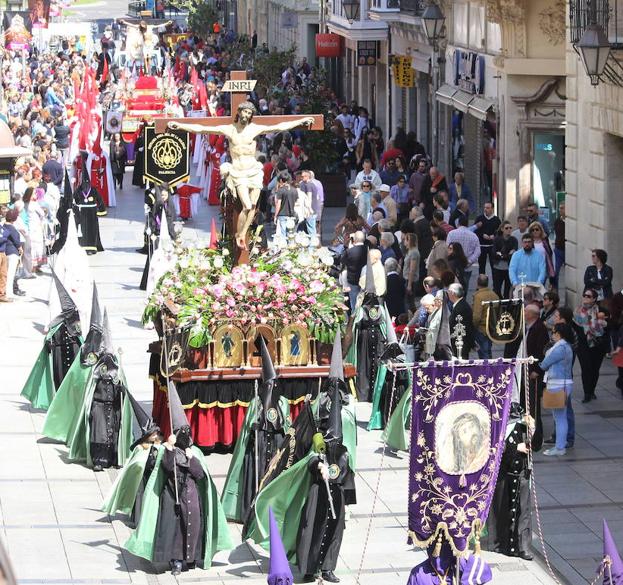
x=320 y=536
x=509 y=521
x=105 y=421
x=88 y=205
x=370 y=345
x=64 y=347
x=180 y=537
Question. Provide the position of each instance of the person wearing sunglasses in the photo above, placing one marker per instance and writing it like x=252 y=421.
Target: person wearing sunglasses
x=599 y=275
x=593 y=344
x=542 y=245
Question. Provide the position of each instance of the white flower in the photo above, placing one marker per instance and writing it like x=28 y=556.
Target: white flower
x=218 y=262
x=225 y=252
x=315 y=241
x=184 y=263
x=302 y=239
x=304 y=259
x=290 y=223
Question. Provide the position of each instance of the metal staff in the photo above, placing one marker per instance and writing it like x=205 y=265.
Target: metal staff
x=326 y=483
x=257 y=435
x=166 y=376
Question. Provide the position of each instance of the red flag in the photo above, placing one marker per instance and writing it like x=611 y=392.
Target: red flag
x=213 y=236
x=105 y=70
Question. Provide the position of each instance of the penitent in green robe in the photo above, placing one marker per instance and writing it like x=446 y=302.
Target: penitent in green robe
x=80 y=440
x=287 y=494
x=396 y=434
x=63 y=413
x=39 y=387
x=231 y=497
x=216 y=536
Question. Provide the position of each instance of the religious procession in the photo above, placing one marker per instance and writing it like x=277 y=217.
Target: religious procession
x=253 y=332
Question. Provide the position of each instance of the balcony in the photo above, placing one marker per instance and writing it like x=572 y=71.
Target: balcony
x=407 y=11
x=368 y=27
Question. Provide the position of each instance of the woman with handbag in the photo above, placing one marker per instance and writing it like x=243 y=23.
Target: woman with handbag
x=558 y=365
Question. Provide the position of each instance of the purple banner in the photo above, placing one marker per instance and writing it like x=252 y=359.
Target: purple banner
x=457 y=437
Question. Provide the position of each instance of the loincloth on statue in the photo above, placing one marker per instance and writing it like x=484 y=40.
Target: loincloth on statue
x=251 y=177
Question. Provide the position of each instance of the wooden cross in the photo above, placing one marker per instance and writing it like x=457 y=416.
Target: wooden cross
x=239 y=95
x=240 y=87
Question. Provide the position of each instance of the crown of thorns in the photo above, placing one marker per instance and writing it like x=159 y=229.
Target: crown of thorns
x=247 y=106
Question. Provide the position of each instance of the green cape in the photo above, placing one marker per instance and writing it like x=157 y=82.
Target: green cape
x=79 y=441
x=217 y=536
x=376 y=417
x=39 y=387
x=230 y=498
x=62 y=417
x=288 y=492
x=122 y=494
x=395 y=434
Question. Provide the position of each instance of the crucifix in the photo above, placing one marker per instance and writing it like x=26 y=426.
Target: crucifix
x=244 y=175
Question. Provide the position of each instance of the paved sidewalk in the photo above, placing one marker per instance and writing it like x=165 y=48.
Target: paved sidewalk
x=49 y=509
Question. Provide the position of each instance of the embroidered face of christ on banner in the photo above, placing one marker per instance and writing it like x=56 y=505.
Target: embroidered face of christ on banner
x=459 y=417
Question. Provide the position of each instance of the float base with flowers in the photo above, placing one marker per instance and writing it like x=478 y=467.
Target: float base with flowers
x=285 y=296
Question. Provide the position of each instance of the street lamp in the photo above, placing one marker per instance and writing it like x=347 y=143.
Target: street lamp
x=434 y=21
x=594 y=49
x=351 y=9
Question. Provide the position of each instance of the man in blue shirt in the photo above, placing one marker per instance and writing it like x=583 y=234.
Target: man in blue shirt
x=527 y=263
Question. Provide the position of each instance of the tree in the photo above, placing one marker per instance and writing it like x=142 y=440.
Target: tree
x=201 y=15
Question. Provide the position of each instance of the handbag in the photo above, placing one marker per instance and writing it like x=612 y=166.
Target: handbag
x=554 y=399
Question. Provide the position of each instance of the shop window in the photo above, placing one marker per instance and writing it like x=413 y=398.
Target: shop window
x=548 y=167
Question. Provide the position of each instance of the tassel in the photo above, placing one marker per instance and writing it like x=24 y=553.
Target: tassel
x=477 y=527
x=462 y=481
x=437 y=549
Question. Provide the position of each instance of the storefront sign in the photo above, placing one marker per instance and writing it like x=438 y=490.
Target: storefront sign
x=469 y=71
x=404 y=75
x=329 y=45
x=367 y=53
x=167 y=157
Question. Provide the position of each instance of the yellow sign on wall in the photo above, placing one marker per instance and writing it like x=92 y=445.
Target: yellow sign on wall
x=404 y=74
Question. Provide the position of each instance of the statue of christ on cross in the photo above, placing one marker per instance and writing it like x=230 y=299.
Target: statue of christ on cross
x=244 y=175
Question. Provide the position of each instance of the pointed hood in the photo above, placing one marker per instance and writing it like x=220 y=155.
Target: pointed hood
x=336 y=370
x=333 y=431
x=69 y=311
x=93 y=342
x=107 y=344
x=616 y=565
x=369 y=287
x=268 y=370
x=63 y=216
x=392 y=348
x=177 y=411
x=145 y=422
x=279 y=572
x=165 y=236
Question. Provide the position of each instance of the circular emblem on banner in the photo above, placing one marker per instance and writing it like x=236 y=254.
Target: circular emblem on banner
x=103 y=370
x=91 y=359
x=505 y=325
x=167 y=153
x=175 y=354
x=272 y=415
x=334 y=471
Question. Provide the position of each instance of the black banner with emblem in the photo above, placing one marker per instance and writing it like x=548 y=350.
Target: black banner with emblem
x=176 y=342
x=504 y=320
x=167 y=156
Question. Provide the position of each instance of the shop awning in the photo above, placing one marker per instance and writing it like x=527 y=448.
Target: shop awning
x=445 y=93
x=454 y=97
x=479 y=107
